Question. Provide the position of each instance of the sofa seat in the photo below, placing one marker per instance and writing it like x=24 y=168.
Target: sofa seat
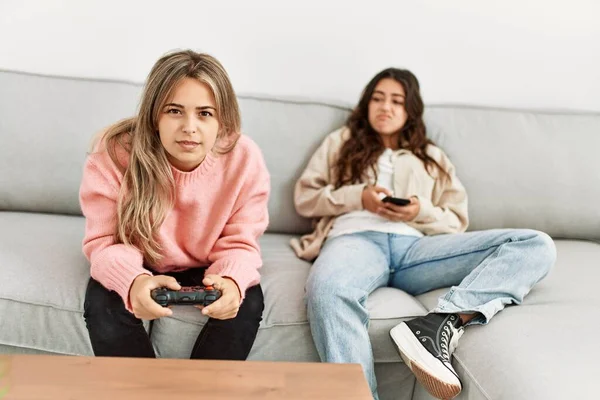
x=44 y=311
x=543 y=349
x=535 y=348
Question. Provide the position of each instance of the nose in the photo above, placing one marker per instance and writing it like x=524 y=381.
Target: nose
x=386 y=105
x=189 y=126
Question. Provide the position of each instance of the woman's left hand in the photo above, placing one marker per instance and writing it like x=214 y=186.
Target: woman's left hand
x=228 y=304
x=401 y=213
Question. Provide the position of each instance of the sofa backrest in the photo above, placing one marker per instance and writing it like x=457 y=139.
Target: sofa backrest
x=529 y=169
x=525 y=169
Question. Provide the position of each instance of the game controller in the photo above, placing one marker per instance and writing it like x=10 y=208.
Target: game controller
x=187 y=295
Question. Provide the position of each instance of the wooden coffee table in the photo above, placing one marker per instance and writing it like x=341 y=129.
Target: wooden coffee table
x=74 y=377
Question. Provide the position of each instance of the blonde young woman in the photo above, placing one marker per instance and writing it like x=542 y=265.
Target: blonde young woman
x=175 y=196
x=362 y=243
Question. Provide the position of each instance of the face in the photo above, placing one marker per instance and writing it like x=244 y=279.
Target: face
x=188 y=124
x=387 y=114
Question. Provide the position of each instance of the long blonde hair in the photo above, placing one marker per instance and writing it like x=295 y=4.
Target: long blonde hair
x=147 y=193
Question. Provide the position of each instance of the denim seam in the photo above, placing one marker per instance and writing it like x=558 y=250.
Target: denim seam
x=466 y=284
x=391 y=268
x=481 y=267
x=370 y=288
x=458 y=253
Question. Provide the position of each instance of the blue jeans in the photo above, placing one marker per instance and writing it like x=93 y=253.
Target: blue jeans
x=486 y=271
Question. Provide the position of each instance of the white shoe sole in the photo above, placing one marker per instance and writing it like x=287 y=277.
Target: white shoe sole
x=435 y=377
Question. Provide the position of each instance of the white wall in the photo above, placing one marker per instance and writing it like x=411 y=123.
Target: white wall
x=524 y=53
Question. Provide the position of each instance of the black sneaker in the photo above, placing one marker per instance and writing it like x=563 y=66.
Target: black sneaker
x=426 y=345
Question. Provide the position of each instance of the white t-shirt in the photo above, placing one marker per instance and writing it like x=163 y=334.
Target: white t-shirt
x=364 y=220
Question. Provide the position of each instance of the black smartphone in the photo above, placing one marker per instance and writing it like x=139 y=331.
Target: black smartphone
x=396 y=200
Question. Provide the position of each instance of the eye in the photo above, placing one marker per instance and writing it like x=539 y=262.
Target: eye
x=173 y=111
x=206 y=114
x=400 y=103
x=376 y=99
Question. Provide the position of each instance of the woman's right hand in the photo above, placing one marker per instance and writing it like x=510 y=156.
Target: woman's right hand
x=371 y=197
x=141 y=302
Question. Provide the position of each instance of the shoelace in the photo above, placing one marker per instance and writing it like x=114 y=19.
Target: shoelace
x=449 y=339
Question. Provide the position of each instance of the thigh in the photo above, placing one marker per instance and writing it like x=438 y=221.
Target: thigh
x=105 y=306
x=113 y=330
x=439 y=261
x=253 y=305
x=232 y=339
x=359 y=260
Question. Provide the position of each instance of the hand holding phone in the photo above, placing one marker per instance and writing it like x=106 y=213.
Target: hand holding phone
x=396 y=200
x=397 y=209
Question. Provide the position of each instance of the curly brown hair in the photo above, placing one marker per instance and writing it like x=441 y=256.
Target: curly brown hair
x=364 y=146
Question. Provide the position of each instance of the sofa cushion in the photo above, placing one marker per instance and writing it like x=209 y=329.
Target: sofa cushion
x=521 y=168
x=288 y=132
x=46 y=177
x=549 y=337
x=44 y=277
x=43 y=280
x=284 y=332
x=546 y=347
x=493 y=151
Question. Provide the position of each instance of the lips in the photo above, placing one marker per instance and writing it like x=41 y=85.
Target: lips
x=188 y=145
x=383 y=117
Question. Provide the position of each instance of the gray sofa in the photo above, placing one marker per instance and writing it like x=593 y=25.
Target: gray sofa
x=521 y=168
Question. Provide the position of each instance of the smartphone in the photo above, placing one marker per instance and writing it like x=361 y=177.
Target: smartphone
x=396 y=200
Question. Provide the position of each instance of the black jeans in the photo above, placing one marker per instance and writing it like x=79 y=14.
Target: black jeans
x=114 y=331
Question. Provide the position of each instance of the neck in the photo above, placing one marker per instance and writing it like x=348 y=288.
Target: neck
x=390 y=141
x=183 y=167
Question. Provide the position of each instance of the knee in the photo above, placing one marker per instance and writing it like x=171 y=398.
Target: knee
x=102 y=308
x=98 y=299
x=253 y=305
x=542 y=249
x=546 y=249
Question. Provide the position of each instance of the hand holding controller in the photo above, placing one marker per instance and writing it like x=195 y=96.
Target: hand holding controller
x=187 y=295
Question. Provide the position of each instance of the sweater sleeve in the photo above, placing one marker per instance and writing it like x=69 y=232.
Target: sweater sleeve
x=237 y=254
x=114 y=265
x=447 y=211
x=315 y=195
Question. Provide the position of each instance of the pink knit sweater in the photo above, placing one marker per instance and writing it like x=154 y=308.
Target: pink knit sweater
x=220 y=212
